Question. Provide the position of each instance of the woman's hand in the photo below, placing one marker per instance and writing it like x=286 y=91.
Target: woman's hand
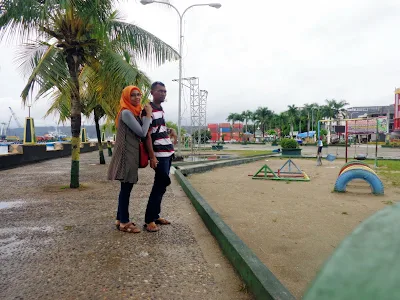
x=173 y=135
x=153 y=162
x=148 y=109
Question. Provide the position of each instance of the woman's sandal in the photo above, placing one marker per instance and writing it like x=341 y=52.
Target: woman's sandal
x=151 y=227
x=162 y=221
x=117 y=223
x=130 y=228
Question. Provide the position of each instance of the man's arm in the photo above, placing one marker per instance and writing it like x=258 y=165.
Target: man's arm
x=149 y=146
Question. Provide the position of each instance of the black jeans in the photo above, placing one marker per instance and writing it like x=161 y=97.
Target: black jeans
x=123 y=202
x=161 y=181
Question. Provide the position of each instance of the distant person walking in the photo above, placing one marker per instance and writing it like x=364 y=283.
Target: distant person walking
x=124 y=163
x=161 y=152
x=320 y=144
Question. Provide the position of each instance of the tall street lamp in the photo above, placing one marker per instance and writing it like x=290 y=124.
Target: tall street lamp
x=215 y=5
x=312 y=119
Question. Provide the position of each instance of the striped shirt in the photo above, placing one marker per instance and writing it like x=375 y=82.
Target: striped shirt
x=162 y=145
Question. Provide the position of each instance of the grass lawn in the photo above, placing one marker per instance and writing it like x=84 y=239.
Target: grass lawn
x=389 y=169
x=245 y=153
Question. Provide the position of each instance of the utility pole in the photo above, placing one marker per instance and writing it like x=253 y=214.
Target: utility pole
x=181 y=15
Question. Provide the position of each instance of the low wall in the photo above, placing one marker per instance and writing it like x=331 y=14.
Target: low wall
x=38 y=152
x=258 y=278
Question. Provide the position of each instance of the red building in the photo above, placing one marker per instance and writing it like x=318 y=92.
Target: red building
x=396 y=117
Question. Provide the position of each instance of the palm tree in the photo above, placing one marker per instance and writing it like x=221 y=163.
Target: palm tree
x=263 y=115
x=304 y=118
x=292 y=114
x=96 y=97
x=247 y=115
x=334 y=109
x=314 y=115
x=283 y=122
x=307 y=111
x=233 y=117
x=253 y=118
x=71 y=35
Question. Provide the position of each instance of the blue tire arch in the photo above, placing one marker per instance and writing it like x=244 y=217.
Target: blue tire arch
x=373 y=180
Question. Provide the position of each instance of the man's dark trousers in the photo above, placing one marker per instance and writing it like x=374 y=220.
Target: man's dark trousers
x=161 y=181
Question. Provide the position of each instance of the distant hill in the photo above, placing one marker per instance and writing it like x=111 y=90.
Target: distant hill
x=40 y=131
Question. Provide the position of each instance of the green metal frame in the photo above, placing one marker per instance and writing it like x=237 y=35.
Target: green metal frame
x=266 y=170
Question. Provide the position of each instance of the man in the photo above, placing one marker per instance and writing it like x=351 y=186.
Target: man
x=161 y=151
x=319 y=153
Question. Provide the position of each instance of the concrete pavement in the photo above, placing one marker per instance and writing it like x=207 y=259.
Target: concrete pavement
x=58 y=243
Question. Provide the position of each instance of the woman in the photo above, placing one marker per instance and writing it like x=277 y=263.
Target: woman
x=124 y=164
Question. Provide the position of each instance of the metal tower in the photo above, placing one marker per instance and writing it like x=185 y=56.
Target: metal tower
x=202 y=115
x=198 y=109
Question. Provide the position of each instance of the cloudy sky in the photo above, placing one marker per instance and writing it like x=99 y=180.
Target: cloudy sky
x=260 y=53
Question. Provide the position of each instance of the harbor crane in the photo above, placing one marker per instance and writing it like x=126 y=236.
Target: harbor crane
x=15 y=118
x=4 y=129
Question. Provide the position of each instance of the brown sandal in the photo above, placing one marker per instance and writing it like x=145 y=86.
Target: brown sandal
x=151 y=227
x=162 y=221
x=130 y=228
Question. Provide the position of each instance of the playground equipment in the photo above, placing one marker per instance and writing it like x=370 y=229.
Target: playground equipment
x=365 y=265
x=331 y=157
x=353 y=163
x=288 y=172
x=361 y=126
x=361 y=156
x=355 y=170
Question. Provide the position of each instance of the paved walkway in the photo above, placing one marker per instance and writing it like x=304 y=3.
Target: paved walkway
x=57 y=243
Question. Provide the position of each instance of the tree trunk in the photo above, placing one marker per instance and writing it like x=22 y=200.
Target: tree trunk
x=291 y=130
x=73 y=68
x=101 y=153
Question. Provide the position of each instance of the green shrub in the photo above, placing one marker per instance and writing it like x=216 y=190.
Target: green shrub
x=289 y=144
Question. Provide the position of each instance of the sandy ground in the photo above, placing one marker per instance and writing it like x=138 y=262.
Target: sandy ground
x=292 y=227
x=58 y=243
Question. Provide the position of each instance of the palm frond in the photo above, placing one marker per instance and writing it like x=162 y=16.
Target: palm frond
x=48 y=71
x=29 y=54
x=141 y=43
x=22 y=19
x=61 y=106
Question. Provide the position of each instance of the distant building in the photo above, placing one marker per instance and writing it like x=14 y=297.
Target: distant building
x=372 y=112
x=397 y=113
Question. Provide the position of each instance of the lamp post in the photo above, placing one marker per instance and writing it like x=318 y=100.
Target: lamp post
x=215 y=5
x=312 y=118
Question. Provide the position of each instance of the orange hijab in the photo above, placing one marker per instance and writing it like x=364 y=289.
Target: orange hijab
x=125 y=102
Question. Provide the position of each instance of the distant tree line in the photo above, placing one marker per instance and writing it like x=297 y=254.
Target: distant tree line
x=300 y=119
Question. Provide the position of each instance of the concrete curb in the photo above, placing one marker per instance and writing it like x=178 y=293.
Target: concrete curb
x=207 y=166
x=234 y=157
x=259 y=279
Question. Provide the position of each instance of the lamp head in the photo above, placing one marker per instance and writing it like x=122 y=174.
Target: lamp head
x=145 y=2
x=215 y=5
